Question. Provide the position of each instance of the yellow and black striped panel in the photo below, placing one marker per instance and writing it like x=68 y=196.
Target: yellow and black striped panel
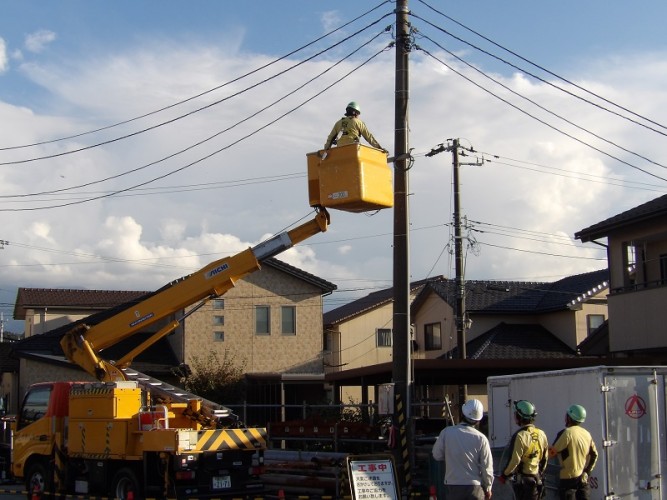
x=232 y=439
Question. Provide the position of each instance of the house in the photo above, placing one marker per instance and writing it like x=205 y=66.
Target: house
x=510 y=327
x=270 y=322
x=636 y=242
x=45 y=309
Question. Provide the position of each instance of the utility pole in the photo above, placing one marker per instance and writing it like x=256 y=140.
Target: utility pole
x=401 y=272
x=460 y=308
x=460 y=284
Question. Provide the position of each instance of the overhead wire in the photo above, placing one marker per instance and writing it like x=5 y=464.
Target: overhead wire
x=543 y=122
x=246 y=136
x=201 y=94
x=546 y=71
x=543 y=108
x=197 y=110
x=217 y=134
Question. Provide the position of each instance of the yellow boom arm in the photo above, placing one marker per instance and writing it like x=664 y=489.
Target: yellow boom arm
x=83 y=344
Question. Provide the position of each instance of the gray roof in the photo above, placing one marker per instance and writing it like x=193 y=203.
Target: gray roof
x=516 y=297
x=97 y=300
x=367 y=303
x=514 y=341
x=67 y=298
x=642 y=213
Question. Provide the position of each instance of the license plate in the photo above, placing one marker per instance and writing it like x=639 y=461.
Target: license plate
x=222 y=482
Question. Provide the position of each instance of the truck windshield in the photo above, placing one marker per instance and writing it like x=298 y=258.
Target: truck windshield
x=34 y=406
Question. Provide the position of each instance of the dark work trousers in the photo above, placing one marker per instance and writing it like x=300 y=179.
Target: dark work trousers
x=527 y=488
x=463 y=492
x=573 y=489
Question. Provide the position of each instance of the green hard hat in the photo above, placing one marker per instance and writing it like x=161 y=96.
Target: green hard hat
x=353 y=105
x=525 y=409
x=577 y=413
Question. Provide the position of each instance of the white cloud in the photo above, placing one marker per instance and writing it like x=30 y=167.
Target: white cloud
x=4 y=58
x=330 y=20
x=36 y=42
x=197 y=215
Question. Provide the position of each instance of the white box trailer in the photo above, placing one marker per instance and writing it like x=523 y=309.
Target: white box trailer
x=626 y=416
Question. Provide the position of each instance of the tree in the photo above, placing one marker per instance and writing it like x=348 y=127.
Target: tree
x=219 y=380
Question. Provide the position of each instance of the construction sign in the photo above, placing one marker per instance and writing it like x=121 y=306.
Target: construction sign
x=372 y=477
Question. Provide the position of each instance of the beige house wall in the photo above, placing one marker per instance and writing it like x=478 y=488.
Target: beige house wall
x=636 y=320
x=275 y=352
x=33 y=372
x=38 y=321
x=434 y=310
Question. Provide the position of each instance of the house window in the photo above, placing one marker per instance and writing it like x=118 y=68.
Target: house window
x=663 y=269
x=218 y=320
x=432 y=337
x=630 y=265
x=218 y=304
x=383 y=337
x=262 y=320
x=594 y=321
x=219 y=336
x=288 y=320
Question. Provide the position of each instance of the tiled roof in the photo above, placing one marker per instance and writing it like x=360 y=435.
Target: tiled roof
x=597 y=342
x=646 y=211
x=49 y=343
x=65 y=298
x=516 y=296
x=324 y=285
x=514 y=341
x=367 y=303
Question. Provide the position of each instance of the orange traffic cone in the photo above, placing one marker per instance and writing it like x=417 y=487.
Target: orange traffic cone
x=431 y=493
x=36 y=493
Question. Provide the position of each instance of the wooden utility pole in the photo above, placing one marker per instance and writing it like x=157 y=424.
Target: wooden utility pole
x=401 y=310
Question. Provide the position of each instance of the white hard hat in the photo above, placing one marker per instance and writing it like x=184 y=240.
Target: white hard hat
x=473 y=410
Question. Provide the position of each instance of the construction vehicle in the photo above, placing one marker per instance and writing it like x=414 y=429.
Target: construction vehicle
x=135 y=437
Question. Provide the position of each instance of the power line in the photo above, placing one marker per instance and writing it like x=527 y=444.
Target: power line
x=215 y=103
x=543 y=108
x=235 y=80
x=539 y=119
x=210 y=155
x=546 y=71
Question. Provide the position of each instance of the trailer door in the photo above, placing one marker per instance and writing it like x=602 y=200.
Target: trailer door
x=500 y=413
x=635 y=435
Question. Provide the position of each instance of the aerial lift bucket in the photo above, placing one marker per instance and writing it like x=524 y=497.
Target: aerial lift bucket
x=352 y=178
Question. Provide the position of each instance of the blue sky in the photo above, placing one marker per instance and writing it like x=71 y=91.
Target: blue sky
x=74 y=66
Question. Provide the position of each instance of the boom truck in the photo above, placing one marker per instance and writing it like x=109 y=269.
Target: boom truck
x=132 y=436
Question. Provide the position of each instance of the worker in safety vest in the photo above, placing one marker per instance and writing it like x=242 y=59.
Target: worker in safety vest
x=577 y=454
x=351 y=129
x=529 y=456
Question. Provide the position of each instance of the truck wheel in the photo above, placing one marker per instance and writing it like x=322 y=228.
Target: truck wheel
x=124 y=482
x=37 y=480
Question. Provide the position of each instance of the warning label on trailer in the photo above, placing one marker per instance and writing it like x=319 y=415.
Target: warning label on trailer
x=635 y=407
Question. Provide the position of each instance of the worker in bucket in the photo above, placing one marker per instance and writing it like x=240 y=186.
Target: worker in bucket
x=349 y=130
x=527 y=462
x=577 y=455
x=467 y=456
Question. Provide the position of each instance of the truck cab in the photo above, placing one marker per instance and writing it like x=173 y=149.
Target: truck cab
x=39 y=431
